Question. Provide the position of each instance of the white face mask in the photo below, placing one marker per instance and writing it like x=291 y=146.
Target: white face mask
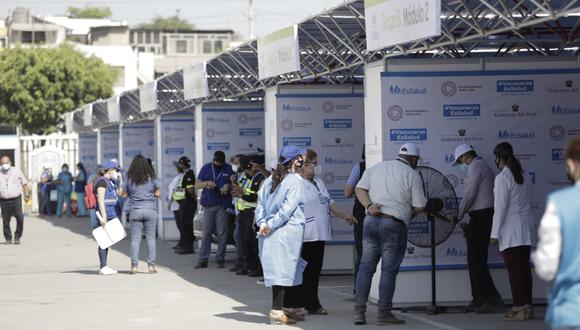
x=235 y=167
x=464 y=167
x=113 y=176
x=317 y=170
x=6 y=167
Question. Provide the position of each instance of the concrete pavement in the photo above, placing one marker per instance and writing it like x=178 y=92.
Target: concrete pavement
x=51 y=282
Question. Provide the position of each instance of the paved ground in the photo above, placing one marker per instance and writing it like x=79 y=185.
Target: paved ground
x=50 y=282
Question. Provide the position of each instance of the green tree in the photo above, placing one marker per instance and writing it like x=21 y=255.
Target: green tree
x=39 y=84
x=90 y=12
x=167 y=24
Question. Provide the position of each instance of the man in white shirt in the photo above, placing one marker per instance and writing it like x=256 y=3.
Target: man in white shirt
x=557 y=258
x=389 y=191
x=478 y=203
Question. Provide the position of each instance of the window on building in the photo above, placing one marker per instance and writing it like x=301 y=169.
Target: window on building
x=156 y=37
x=148 y=37
x=139 y=37
x=132 y=37
x=207 y=47
x=141 y=49
x=218 y=46
x=37 y=37
x=181 y=46
x=152 y=49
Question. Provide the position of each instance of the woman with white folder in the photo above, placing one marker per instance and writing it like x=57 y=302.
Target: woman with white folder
x=107 y=207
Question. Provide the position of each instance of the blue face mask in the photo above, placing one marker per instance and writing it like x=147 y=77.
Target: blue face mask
x=464 y=167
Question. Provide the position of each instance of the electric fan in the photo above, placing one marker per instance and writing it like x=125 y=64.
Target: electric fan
x=433 y=227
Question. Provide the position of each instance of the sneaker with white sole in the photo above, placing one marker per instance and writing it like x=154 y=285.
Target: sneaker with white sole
x=107 y=271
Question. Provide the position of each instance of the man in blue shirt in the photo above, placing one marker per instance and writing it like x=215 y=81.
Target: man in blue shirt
x=214 y=179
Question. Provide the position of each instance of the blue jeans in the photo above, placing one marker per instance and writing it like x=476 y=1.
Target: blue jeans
x=239 y=242
x=214 y=220
x=143 y=219
x=63 y=197
x=103 y=254
x=382 y=238
x=81 y=206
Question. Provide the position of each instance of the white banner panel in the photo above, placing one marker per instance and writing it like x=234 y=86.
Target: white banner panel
x=68 y=122
x=333 y=126
x=536 y=111
x=88 y=151
x=195 y=82
x=148 y=96
x=177 y=139
x=138 y=139
x=392 y=22
x=232 y=130
x=110 y=143
x=113 y=109
x=88 y=115
x=279 y=52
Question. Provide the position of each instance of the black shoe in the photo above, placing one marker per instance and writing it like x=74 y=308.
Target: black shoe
x=8 y=242
x=17 y=241
x=254 y=273
x=491 y=308
x=176 y=247
x=360 y=318
x=221 y=265
x=201 y=265
x=242 y=272
x=474 y=305
x=388 y=318
x=184 y=251
x=235 y=268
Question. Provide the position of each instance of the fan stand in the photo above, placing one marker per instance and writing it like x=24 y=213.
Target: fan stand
x=433 y=308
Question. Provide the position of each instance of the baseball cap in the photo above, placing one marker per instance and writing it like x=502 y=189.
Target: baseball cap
x=219 y=156
x=110 y=164
x=409 y=149
x=183 y=160
x=460 y=151
x=290 y=152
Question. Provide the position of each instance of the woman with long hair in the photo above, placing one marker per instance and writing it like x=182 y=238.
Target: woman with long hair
x=80 y=183
x=280 y=217
x=514 y=229
x=142 y=190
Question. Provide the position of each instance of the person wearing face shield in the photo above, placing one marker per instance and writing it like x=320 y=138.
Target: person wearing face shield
x=557 y=258
x=238 y=180
x=389 y=191
x=108 y=208
x=478 y=202
x=64 y=187
x=13 y=185
x=318 y=208
x=280 y=217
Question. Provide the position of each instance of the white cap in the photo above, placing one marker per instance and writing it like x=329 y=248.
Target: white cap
x=273 y=164
x=409 y=149
x=461 y=150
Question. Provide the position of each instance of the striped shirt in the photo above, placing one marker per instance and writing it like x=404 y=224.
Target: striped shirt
x=11 y=183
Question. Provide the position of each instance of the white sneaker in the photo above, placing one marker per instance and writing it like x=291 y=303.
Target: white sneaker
x=107 y=271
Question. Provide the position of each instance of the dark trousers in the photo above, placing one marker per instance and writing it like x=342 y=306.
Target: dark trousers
x=358 y=240
x=12 y=207
x=187 y=212
x=313 y=253
x=478 y=235
x=280 y=296
x=517 y=261
x=179 y=224
x=250 y=242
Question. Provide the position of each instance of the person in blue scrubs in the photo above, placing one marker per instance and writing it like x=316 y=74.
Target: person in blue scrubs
x=280 y=217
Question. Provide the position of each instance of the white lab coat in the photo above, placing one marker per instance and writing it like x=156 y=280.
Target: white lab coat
x=513 y=223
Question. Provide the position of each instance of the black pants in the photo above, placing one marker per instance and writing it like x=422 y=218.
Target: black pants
x=179 y=224
x=478 y=235
x=358 y=240
x=280 y=296
x=250 y=242
x=12 y=207
x=313 y=253
x=187 y=210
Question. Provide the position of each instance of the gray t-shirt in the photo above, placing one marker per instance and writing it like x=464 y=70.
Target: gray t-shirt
x=142 y=196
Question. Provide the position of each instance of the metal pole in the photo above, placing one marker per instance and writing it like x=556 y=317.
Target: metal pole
x=159 y=170
x=251 y=19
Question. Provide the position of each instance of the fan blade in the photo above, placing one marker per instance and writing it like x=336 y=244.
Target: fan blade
x=441 y=217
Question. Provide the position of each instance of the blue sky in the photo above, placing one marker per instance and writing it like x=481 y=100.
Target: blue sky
x=205 y=14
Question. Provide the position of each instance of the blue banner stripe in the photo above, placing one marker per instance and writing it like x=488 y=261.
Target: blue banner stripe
x=309 y=96
x=477 y=73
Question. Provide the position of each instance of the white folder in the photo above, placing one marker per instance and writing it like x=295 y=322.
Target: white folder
x=109 y=234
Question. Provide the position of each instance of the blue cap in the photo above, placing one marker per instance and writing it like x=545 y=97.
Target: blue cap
x=290 y=152
x=110 y=164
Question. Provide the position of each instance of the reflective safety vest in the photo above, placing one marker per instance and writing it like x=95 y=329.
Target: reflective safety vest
x=180 y=193
x=246 y=185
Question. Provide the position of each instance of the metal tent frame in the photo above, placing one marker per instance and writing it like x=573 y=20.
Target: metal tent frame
x=333 y=49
